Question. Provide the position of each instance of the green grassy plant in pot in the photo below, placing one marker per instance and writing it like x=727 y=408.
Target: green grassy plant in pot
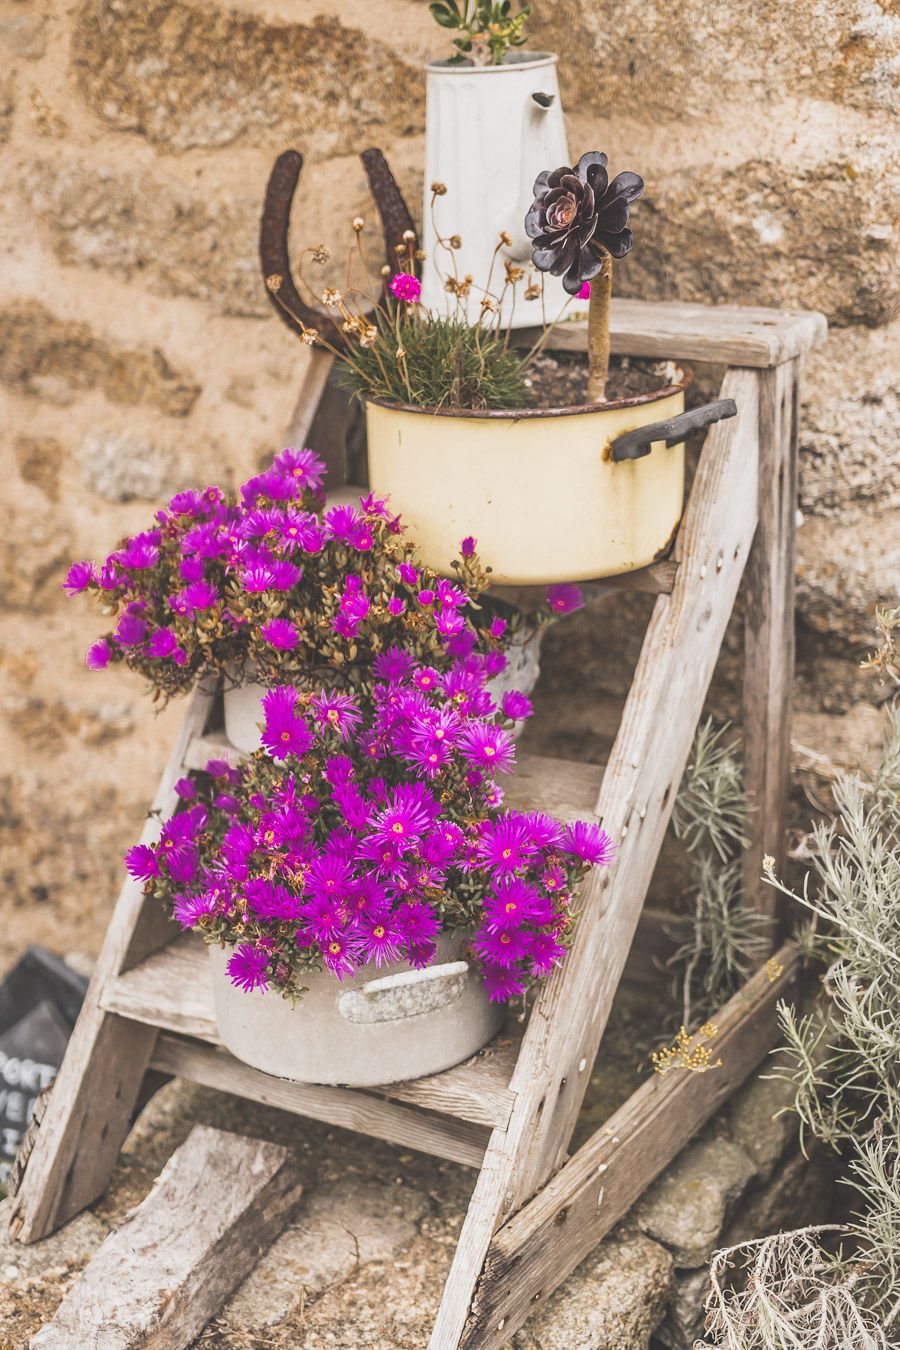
x=465 y=435
x=370 y=907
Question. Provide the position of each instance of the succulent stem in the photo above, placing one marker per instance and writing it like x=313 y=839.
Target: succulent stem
x=598 y=332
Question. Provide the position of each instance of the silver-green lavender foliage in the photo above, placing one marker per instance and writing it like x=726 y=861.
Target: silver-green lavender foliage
x=844 y=1063
x=726 y=938
x=789 y=1292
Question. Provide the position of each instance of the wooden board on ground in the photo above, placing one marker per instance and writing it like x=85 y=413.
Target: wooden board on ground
x=218 y=1203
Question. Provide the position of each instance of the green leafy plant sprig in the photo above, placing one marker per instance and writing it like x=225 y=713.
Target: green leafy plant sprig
x=488 y=30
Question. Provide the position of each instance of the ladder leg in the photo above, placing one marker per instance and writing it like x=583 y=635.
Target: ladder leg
x=95 y=1092
x=769 y=633
x=654 y=739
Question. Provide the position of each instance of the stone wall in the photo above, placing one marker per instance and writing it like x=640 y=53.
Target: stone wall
x=138 y=353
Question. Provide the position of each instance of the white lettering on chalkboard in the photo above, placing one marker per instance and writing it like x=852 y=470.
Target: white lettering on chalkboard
x=25 y=1073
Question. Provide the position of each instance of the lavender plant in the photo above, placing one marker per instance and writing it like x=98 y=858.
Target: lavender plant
x=843 y=1060
x=726 y=939
x=363 y=829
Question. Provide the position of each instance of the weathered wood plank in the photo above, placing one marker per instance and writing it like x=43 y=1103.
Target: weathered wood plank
x=722 y=334
x=316 y=373
x=663 y=706
x=154 y=1283
x=170 y=990
x=769 y=635
x=533 y=1253
x=94 y=1093
x=458 y=1140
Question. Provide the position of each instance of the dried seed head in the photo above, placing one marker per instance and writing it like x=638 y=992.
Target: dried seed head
x=505 y=238
x=368 y=336
x=513 y=273
x=358 y=224
x=274 y=283
x=532 y=291
x=439 y=189
x=310 y=336
x=321 y=253
x=401 y=353
x=331 y=297
x=385 y=271
x=409 y=236
x=455 y=241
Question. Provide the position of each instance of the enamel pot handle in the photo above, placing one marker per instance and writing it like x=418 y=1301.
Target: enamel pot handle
x=636 y=444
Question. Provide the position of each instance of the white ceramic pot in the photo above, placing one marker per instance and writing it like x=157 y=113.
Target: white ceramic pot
x=381 y=1026
x=550 y=495
x=487 y=137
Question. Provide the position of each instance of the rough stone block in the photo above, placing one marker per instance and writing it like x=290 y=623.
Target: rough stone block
x=121 y=469
x=687 y=1208
x=822 y=234
x=800 y=1192
x=176 y=240
x=33 y=557
x=7 y=104
x=760 y=1120
x=39 y=460
x=36 y=347
x=844 y=572
x=673 y=57
x=683 y=1322
x=340 y=1230
x=157 y=68
x=850 y=425
x=615 y=1298
x=23 y=30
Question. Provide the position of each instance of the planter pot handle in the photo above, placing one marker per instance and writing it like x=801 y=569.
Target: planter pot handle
x=408 y=994
x=636 y=444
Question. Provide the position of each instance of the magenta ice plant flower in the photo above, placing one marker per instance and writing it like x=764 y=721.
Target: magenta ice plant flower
x=564 y=597
x=333 y=847
x=271 y=578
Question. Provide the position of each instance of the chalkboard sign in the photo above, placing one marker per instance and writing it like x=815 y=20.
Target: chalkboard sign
x=39 y=1002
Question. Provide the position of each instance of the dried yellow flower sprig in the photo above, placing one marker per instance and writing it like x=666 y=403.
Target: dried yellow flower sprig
x=687 y=1051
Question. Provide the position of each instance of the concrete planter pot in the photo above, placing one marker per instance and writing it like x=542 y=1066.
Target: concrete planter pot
x=244 y=714
x=489 y=131
x=381 y=1026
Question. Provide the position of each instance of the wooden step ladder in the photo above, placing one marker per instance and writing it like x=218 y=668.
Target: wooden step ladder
x=510 y=1112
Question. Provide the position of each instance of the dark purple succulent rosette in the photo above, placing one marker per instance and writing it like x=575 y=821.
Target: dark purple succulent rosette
x=578 y=216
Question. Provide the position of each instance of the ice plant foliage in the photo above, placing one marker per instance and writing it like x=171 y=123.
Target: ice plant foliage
x=272 y=576
x=365 y=828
